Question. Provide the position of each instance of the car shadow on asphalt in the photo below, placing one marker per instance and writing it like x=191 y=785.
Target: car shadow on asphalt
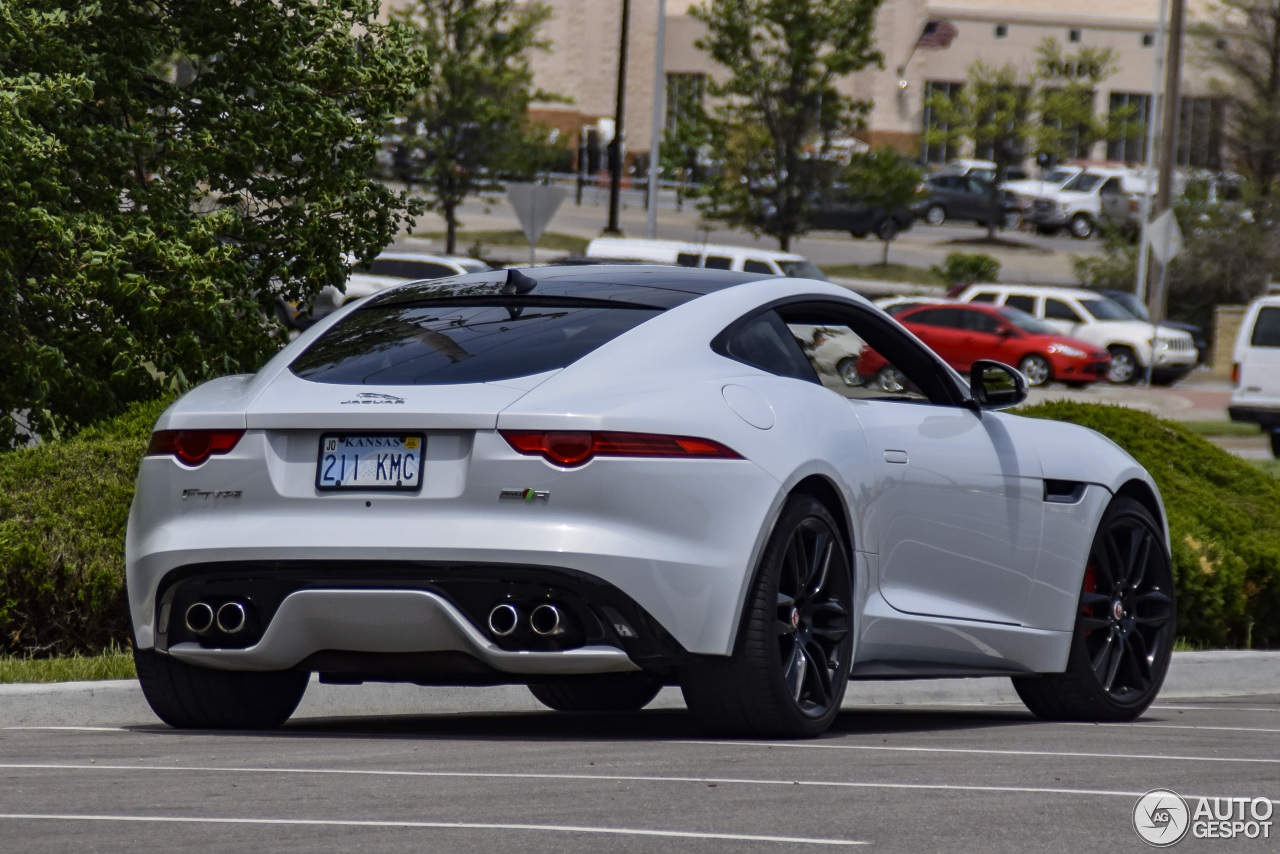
x=645 y=726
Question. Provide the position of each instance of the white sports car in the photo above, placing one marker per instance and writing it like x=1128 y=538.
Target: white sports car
x=597 y=481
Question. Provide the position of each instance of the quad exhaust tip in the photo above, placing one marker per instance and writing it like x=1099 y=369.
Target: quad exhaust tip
x=503 y=619
x=199 y=618
x=545 y=620
x=231 y=617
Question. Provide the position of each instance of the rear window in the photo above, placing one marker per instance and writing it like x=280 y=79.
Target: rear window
x=1266 y=329
x=453 y=343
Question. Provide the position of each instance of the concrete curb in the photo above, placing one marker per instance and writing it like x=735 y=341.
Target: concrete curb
x=1192 y=675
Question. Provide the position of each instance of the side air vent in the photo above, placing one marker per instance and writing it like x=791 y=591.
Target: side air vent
x=1063 y=491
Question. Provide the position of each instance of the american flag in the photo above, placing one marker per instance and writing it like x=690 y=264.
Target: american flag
x=937 y=35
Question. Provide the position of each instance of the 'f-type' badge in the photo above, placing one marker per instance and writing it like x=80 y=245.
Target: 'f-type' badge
x=526 y=495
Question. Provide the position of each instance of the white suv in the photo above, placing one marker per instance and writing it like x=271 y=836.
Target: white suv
x=1256 y=369
x=1092 y=317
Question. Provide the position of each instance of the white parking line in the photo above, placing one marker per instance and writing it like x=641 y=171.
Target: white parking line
x=445 y=825
x=623 y=778
x=984 y=751
x=1272 y=709
x=1187 y=726
x=73 y=728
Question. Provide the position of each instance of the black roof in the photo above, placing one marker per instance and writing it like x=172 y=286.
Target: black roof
x=657 y=286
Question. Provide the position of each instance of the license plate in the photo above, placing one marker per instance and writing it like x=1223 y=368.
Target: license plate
x=370 y=461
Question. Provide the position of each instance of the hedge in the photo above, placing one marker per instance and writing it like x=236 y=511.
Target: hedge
x=64 y=505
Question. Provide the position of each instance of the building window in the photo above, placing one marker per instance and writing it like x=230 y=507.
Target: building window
x=684 y=95
x=1200 y=133
x=1073 y=35
x=1128 y=111
x=1148 y=39
x=1002 y=30
x=938 y=152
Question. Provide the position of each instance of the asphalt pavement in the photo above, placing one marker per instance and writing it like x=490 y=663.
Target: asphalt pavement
x=899 y=777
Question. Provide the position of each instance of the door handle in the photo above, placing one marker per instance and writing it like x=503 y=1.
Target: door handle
x=898 y=457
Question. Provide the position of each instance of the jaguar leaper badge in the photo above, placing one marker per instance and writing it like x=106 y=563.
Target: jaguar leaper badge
x=526 y=495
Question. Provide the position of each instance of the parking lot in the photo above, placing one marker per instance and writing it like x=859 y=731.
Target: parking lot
x=958 y=777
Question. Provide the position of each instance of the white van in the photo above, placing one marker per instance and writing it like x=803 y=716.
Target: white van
x=745 y=259
x=1078 y=205
x=1255 y=372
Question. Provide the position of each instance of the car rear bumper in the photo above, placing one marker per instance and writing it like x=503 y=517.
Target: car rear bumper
x=1266 y=417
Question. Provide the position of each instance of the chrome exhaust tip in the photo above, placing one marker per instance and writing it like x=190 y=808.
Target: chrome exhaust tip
x=503 y=619
x=231 y=617
x=545 y=620
x=199 y=617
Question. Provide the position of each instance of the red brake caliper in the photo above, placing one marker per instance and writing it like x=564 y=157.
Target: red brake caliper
x=1090 y=586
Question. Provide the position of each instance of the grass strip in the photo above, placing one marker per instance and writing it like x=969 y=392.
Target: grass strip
x=884 y=273
x=1222 y=428
x=549 y=240
x=115 y=663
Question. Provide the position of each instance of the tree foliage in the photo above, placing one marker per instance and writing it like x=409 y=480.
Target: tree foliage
x=778 y=109
x=472 y=114
x=1241 y=39
x=167 y=169
x=1006 y=113
x=886 y=180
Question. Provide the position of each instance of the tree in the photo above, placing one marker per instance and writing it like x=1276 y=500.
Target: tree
x=995 y=111
x=685 y=142
x=1241 y=39
x=1005 y=113
x=778 y=106
x=886 y=180
x=168 y=168
x=472 y=114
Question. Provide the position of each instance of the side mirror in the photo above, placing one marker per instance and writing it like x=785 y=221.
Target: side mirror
x=995 y=385
x=1005 y=332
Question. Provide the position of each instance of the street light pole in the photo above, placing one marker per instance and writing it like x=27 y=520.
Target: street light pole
x=615 y=146
x=655 y=136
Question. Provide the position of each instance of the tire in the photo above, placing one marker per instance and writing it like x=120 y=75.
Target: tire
x=1124 y=365
x=1275 y=444
x=1036 y=369
x=1012 y=221
x=799 y=612
x=847 y=369
x=1081 y=226
x=887 y=230
x=1047 y=230
x=890 y=379
x=189 y=697
x=1117 y=664
x=935 y=215
x=604 y=692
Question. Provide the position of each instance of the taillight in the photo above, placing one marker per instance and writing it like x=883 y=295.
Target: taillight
x=192 y=447
x=1235 y=373
x=573 y=448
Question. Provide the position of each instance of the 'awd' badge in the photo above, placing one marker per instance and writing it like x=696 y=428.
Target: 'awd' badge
x=526 y=495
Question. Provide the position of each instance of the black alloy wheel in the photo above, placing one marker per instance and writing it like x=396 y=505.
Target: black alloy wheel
x=791 y=662
x=1124 y=633
x=887 y=230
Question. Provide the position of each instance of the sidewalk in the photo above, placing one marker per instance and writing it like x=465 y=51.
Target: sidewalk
x=1193 y=675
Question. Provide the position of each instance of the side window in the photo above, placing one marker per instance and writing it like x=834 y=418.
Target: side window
x=718 y=262
x=861 y=355
x=950 y=317
x=1266 y=329
x=980 y=321
x=1111 y=188
x=766 y=343
x=1056 y=309
x=687 y=259
x=1022 y=302
x=751 y=265
x=983 y=296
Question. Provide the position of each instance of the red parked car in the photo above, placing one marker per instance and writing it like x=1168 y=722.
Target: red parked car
x=962 y=333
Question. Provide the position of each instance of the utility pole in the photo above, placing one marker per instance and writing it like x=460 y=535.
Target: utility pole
x=1156 y=297
x=655 y=135
x=615 y=146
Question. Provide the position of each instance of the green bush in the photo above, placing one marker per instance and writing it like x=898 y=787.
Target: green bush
x=63 y=510
x=966 y=268
x=1224 y=523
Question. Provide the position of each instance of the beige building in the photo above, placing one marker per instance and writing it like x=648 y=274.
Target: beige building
x=585 y=35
